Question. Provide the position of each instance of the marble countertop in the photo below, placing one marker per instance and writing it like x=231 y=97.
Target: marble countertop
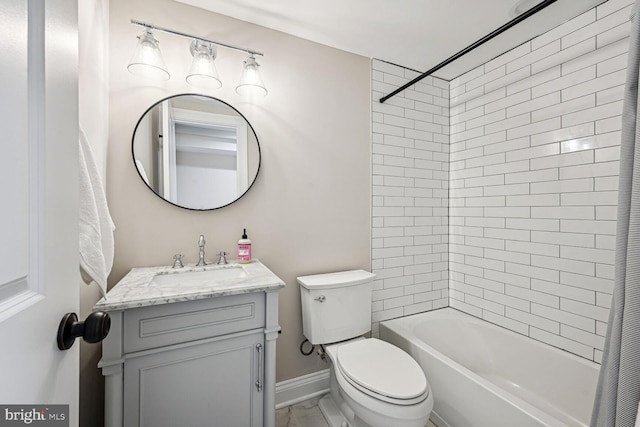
x=137 y=288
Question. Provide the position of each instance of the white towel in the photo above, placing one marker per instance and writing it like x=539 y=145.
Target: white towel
x=96 y=226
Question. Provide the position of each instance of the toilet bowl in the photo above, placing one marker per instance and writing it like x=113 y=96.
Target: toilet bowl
x=381 y=385
x=372 y=382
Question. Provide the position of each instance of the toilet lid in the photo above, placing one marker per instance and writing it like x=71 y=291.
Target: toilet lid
x=382 y=368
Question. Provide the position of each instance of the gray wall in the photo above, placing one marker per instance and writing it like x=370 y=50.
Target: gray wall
x=308 y=211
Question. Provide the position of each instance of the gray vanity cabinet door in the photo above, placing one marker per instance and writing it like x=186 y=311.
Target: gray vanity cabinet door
x=209 y=383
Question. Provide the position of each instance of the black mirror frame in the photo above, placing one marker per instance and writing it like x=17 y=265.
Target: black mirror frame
x=133 y=157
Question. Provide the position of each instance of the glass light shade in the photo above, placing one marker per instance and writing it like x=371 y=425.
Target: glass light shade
x=251 y=82
x=147 y=59
x=203 y=72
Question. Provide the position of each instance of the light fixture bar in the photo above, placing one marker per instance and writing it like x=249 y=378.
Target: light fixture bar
x=178 y=33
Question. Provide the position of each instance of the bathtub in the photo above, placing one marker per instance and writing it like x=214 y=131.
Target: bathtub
x=483 y=375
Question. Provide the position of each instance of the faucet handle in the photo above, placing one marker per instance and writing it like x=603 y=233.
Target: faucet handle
x=222 y=260
x=178 y=261
x=201 y=240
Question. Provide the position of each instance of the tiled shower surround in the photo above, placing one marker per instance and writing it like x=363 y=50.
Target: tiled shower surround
x=410 y=193
x=533 y=173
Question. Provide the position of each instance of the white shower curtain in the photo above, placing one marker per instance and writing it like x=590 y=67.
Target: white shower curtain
x=618 y=392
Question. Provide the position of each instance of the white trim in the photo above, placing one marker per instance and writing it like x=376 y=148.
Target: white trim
x=166 y=167
x=299 y=389
x=202 y=118
x=22 y=292
x=37 y=76
x=18 y=303
x=437 y=421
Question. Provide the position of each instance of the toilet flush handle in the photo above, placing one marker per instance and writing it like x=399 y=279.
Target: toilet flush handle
x=321 y=298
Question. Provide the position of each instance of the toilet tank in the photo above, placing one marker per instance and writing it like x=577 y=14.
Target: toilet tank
x=336 y=306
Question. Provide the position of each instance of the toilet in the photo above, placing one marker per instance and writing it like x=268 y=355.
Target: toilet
x=372 y=383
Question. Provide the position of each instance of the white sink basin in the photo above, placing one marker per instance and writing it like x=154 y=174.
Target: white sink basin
x=198 y=278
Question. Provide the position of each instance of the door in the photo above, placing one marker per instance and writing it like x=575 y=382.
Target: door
x=39 y=212
x=215 y=382
x=167 y=153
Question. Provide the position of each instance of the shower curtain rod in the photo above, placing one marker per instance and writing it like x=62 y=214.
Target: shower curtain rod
x=537 y=8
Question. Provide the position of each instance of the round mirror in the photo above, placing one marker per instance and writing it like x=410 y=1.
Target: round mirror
x=196 y=152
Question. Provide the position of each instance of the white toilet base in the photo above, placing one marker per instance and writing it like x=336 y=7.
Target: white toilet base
x=338 y=413
x=331 y=413
x=335 y=417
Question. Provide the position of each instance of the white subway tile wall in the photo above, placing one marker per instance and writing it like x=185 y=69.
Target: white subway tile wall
x=535 y=137
x=496 y=193
x=410 y=194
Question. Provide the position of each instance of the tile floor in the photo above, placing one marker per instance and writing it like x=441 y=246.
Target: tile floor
x=305 y=414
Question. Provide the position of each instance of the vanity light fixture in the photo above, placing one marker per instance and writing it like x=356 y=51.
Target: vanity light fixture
x=147 y=61
x=251 y=82
x=203 y=72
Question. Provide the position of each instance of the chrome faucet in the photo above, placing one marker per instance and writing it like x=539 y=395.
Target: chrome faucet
x=177 y=261
x=222 y=260
x=201 y=243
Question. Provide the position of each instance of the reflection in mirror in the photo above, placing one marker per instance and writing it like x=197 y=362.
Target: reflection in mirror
x=196 y=152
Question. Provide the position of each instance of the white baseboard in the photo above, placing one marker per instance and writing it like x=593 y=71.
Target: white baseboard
x=299 y=389
x=437 y=421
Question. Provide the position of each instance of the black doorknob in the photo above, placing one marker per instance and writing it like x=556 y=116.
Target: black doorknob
x=94 y=329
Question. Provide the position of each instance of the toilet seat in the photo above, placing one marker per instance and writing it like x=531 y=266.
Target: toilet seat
x=382 y=371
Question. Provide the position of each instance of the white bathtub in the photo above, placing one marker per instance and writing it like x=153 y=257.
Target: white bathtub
x=483 y=375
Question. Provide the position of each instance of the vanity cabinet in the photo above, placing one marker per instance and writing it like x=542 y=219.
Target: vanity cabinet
x=203 y=362
x=213 y=383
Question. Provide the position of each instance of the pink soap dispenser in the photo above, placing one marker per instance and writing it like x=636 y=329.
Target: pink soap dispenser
x=244 y=248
